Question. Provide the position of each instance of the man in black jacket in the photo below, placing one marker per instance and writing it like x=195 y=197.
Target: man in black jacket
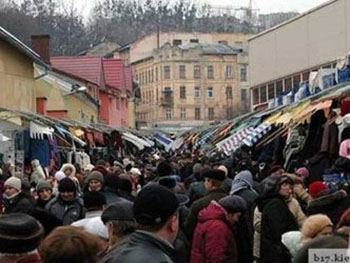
x=156 y=213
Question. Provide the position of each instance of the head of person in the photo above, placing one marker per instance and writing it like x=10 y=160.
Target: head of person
x=156 y=210
x=68 y=244
x=276 y=170
x=35 y=163
x=67 y=189
x=12 y=186
x=213 y=178
x=68 y=169
x=120 y=221
x=94 y=201
x=302 y=172
x=281 y=185
x=95 y=181
x=19 y=234
x=317 y=188
x=316 y=226
x=164 y=169
x=323 y=242
x=135 y=173
x=234 y=206
x=44 y=190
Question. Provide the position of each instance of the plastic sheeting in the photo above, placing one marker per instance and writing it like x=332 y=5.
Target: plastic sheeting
x=37 y=131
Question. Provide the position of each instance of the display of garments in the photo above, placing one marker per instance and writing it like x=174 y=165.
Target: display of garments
x=40 y=149
x=82 y=158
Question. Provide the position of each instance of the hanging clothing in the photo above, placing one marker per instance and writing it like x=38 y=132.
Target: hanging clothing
x=40 y=149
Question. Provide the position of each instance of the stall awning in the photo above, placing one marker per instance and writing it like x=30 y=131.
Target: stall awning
x=167 y=143
x=233 y=142
x=256 y=134
x=75 y=138
x=138 y=142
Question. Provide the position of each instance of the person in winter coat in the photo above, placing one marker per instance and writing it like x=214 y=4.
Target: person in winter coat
x=316 y=226
x=332 y=203
x=276 y=219
x=94 y=182
x=37 y=174
x=45 y=194
x=213 y=181
x=242 y=185
x=13 y=199
x=213 y=239
x=67 y=206
x=69 y=171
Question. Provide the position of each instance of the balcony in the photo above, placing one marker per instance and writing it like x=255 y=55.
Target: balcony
x=167 y=101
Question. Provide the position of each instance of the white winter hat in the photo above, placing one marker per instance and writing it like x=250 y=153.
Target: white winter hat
x=14 y=182
x=135 y=171
x=59 y=175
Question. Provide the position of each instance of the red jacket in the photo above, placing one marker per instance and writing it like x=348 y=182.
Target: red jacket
x=213 y=240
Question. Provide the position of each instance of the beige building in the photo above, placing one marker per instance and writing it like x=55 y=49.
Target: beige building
x=188 y=85
x=282 y=57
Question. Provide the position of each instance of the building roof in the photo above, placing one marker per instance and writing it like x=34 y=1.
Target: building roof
x=21 y=47
x=117 y=75
x=102 y=49
x=85 y=67
x=211 y=49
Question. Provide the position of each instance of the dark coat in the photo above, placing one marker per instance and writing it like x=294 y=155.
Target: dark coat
x=276 y=219
x=31 y=258
x=18 y=204
x=213 y=239
x=66 y=212
x=332 y=203
x=144 y=247
x=197 y=206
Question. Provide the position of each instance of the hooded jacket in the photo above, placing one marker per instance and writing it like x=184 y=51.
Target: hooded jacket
x=213 y=239
x=143 y=247
x=276 y=219
x=19 y=203
x=72 y=175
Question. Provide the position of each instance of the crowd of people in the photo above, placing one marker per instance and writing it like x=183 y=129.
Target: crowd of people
x=180 y=207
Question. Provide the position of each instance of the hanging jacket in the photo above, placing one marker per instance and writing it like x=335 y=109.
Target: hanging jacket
x=213 y=240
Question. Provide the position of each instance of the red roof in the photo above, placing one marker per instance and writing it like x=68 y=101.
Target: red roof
x=117 y=75
x=85 y=67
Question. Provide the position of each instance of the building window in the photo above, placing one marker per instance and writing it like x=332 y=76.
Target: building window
x=152 y=76
x=244 y=95
x=177 y=42
x=182 y=92
x=182 y=72
x=271 y=91
x=229 y=72
x=263 y=94
x=143 y=78
x=210 y=92
x=210 y=72
x=146 y=78
x=168 y=114
x=255 y=96
x=197 y=113
x=197 y=92
x=194 y=40
x=183 y=113
x=196 y=71
x=229 y=112
x=166 y=72
x=156 y=74
x=243 y=73
x=211 y=113
x=229 y=92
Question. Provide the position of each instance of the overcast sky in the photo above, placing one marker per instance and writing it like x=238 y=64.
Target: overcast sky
x=264 y=6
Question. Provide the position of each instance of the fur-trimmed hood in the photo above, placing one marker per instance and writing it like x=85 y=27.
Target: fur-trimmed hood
x=71 y=166
x=328 y=198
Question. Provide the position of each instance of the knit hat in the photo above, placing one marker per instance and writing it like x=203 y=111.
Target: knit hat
x=43 y=184
x=59 y=175
x=302 y=172
x=275 y=168
x=316 y=188
x=233 y=204
x=342 y=164
x=94 y=199
x=14 y=182
x=95 y=175
x=19 y=233
x=154 y=204
x=315 y=224
x=122 y=211
x=66 y=185
x=214 y=174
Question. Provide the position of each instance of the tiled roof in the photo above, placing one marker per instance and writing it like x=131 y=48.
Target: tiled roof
x=85 y=67
x=117 y=75
x=23 y=48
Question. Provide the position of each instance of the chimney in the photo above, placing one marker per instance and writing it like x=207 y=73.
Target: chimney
x=41 y=45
